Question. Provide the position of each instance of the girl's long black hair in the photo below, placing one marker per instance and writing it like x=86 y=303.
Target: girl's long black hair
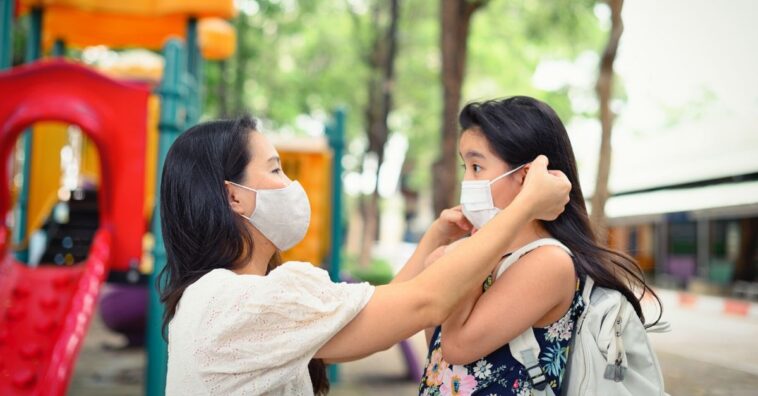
x=200 y=230
x=519 y=129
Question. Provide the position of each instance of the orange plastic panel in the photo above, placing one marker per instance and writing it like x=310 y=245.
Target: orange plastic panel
x=218 y=39
x=82 y=29
x=199 y=8
x=79 y=29
x=313 y=170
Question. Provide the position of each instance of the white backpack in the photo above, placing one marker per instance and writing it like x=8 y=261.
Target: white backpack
x=610 y=353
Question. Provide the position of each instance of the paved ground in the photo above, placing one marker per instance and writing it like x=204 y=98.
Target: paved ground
x=706 y=355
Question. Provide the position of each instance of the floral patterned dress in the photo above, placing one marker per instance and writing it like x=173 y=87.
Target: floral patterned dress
x=499 y=373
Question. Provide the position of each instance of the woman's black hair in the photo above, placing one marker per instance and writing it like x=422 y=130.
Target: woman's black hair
x=520 y=128
x=201 y=232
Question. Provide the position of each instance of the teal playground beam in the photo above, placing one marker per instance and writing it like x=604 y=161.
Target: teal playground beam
x=173 y=93
x=335 y=131
x=33 y=52
x=6 y=34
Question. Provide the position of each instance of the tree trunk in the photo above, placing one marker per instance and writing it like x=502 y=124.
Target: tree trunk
x=745 y=265
x=380 y=87
x=241 y=66
x=455 y=18
x=223 y=106
x=604 y=90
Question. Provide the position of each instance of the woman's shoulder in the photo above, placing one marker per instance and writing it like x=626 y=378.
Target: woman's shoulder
x=300 y=267
x=299 y=272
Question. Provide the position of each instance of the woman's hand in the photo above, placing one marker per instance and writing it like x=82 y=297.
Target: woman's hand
x=441 y=251
x=546 y=192
x=451 y=225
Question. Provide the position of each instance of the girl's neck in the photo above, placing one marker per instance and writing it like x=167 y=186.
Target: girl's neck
x=533 y=231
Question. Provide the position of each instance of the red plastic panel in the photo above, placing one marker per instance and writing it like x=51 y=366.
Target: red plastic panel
x=113 y=114
x=44 y=315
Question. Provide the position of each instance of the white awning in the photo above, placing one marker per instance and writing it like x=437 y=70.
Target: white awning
x=718 y=201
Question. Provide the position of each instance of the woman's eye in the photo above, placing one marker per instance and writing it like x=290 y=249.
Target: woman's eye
x=476 y=168
x=277 y=170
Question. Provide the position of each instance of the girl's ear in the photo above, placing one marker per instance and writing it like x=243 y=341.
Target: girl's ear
x=521 y=174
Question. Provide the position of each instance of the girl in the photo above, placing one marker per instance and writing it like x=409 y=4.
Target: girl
x=240 y=323
x=470 y=352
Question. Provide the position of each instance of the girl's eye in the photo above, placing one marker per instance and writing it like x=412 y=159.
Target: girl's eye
x=277 y=170
x=476 y=168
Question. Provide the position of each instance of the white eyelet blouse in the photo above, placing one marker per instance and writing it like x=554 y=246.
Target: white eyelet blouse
x=254 y=335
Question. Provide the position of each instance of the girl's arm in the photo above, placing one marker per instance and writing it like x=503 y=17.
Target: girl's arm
x=536 y=290
x=399 y=310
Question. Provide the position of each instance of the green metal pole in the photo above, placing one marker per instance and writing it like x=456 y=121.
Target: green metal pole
x=336 y=134
x=6 y=33
x=33 y=52
x=195 y=70
x=173 y=92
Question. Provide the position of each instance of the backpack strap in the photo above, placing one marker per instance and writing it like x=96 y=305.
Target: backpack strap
x=525 y=348
x=518 y=253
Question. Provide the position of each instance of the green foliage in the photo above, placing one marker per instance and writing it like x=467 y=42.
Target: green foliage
x=306 y=57
x=379 y=272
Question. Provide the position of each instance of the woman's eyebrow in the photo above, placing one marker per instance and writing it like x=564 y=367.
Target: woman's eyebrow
x=274 y=159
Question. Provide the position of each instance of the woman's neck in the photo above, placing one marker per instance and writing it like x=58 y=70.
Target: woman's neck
x=263 y=250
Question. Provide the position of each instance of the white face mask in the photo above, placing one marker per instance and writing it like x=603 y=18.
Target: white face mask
x=476 y=199
x=282 y=215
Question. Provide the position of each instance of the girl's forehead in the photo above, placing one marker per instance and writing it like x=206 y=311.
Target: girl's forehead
x=473 y=142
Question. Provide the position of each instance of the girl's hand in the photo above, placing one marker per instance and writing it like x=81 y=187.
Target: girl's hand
x=452 y=225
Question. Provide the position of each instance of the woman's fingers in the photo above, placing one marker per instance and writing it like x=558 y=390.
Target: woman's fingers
x=547 y=191
x=455 y=216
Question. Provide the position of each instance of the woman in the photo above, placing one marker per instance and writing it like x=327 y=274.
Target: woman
x=470 y=353
x=240 y=323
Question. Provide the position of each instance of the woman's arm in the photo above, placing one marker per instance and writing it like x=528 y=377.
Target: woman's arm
x=450 y=226
x=538 y=288
x=399 y=310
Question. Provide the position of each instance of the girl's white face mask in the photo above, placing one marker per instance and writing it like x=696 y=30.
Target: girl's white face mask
x=476 y=199
x=282 y=215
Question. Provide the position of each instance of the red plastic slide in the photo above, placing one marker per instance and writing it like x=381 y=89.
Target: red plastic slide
x=45 y=311
x=46 y=319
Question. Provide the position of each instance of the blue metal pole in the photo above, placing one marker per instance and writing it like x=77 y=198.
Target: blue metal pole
x=59 y=48
x=6 y=33
x=336 y=134
x=33 y=52
x=173 y=93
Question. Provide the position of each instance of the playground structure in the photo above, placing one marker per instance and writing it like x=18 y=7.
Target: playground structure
x=45 y=310
x=127 y=118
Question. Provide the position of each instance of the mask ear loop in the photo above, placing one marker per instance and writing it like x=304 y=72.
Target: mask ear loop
x=505 y=174
x=245 y=187
x=249 y=189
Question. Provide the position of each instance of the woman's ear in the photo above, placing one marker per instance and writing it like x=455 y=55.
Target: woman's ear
x=236 y=198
